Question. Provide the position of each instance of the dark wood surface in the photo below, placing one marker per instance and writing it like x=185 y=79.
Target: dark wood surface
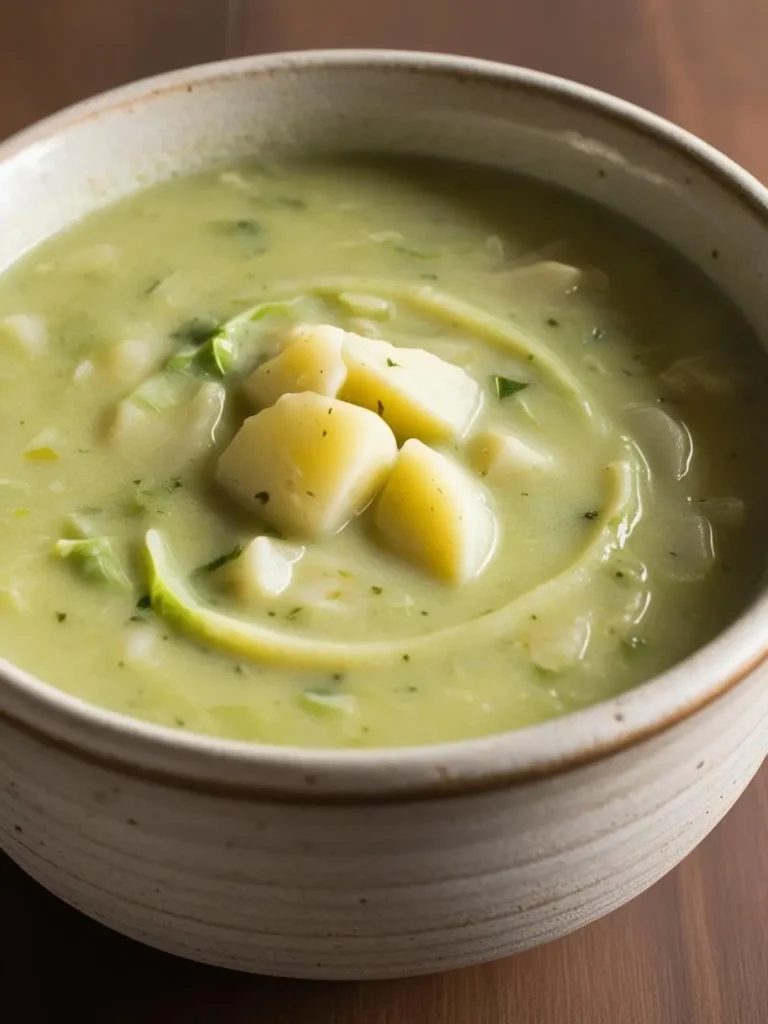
x=692 y=950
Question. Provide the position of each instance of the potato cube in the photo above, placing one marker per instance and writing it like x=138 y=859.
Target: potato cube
x=311 y=361
x=417 y=393
x=435 y=515
x=499 y=452
x=308 y=464
x=263 y=569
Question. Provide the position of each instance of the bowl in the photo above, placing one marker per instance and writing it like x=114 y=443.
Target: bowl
x=342 y=864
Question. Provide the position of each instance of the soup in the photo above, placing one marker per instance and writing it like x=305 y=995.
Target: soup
x=364 y=454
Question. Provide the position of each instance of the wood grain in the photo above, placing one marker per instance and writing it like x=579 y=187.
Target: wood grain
x=692 y=950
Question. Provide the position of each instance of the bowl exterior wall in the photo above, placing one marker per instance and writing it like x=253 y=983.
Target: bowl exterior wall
x=372 y=891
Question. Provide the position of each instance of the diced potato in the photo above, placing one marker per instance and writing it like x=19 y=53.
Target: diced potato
x=434 y=514
x=27 y=331
x=310 y=362
x=194 y=430
x=264 y=569
x=417 y=393
x=131 y=359
x=498 y=452
x=169 y=413
x=308 y=464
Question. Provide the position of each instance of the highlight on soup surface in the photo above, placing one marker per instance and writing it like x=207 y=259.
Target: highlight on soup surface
x=354 y=453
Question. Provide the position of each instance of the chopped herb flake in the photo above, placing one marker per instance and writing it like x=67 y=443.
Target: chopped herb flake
x=262 y=496
x=592 y=514
x=61 y=616
x=217 y=563
x=503 y=387
x=145 y=601
x=391 y=362
x=380 y=407
x=377 y=590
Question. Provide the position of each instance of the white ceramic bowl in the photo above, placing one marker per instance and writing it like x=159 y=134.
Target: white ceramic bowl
x=374 y=864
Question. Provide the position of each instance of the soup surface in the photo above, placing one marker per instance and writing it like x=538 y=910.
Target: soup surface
x=574 y=507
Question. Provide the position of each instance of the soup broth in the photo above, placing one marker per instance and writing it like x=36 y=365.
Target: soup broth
x=574 y=507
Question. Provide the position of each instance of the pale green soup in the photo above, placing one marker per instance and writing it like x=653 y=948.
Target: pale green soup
x=628 y=508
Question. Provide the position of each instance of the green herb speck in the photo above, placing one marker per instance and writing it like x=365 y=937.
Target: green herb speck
x=504 y=387
x=217 y=563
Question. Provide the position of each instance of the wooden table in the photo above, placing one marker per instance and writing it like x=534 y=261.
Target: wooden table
x=694 y=949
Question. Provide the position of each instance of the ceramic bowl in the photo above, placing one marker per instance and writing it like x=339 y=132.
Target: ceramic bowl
x=371 y=864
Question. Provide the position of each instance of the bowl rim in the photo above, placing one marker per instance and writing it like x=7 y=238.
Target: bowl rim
x=310 y=775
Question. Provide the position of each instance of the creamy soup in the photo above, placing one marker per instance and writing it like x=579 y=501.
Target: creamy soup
x=363 y=454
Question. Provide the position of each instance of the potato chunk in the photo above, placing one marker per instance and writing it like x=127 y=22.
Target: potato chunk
x=417 y=393
x=311 y=361
x=308 y=464
x=435 y=515
x=263 y=569
x=501 y=453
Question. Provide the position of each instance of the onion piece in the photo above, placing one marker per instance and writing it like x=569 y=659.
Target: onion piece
x=696 y=374
x=666 y=444
x=555 y=646
x=722 y=511
x=690 y=548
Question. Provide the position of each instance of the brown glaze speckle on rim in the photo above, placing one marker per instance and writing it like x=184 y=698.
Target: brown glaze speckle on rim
x=309 y=776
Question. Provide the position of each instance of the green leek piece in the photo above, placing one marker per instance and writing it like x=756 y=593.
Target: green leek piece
x=94 y=558
x=174 y=600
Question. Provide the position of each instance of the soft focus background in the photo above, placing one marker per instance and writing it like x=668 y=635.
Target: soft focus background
x=694 y=949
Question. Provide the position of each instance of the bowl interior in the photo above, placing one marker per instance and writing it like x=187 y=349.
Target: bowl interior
x=568 y=135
